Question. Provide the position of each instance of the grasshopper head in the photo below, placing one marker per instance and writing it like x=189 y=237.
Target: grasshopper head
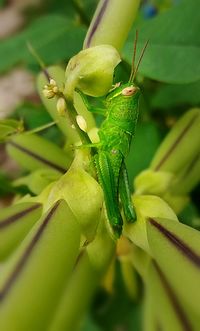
x=128 y=90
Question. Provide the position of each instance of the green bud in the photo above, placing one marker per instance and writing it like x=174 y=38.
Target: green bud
x=91 y=71
x=188 y=178
x=84 y=196
x=38 y=179
x=176 y=202
x=15 y=222
x=87 y=274
x=146 y=206
x=150 y=319
x=140 y=260
x=111 y=23
x=152 y=182
x=175 y=248
x=101 y=250
x=181 y=145
x=77 y=296
x=170 y=311
x=33 y=280
x=34 y=152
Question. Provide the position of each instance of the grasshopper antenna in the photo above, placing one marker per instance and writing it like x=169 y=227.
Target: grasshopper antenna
x=38 y=59
x=134 y=55
x=139 y=61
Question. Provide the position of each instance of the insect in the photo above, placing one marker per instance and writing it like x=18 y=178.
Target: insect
x=115 y=135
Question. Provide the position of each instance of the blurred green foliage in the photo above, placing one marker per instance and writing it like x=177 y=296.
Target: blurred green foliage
x=169 y=75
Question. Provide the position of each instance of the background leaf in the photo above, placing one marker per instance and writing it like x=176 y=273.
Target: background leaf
x=54 y=37
x=176 y=95
x=174 y=48
x=145 y=143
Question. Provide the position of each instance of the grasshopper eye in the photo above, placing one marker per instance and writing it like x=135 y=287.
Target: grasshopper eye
x=130 y=90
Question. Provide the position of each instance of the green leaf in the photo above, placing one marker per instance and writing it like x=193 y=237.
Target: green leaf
x=9 y=127
x=169 y=96
x=89 y=325
x=174 y=45
x=54 y=37
x=141 y=153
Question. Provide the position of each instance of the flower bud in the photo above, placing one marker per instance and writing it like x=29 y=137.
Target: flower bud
x=152 y=182
x=33 y=152
x=38 y=179
x=49 y=94
x=146 y=206
x=181 y=144
x=61 y=106
x=111 y=23
x=42 y=264
x=81 y=123
x=91 y=71
x=15 y=222
x=51 y=89
x=175 y=248
x=83 y=195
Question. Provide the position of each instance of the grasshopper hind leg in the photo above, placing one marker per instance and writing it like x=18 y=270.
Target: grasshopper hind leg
x=107 y=179
x=125 y=195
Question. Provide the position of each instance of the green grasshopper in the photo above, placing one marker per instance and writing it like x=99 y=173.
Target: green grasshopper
x=115 y=135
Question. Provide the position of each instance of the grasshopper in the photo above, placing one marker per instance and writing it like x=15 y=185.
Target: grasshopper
x=115 y=135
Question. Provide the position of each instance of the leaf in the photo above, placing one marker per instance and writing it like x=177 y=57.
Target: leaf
x=54 y=37
x=174 y=48
x=141 y=151
x=9 y=127
x=169 y=96
x=89 y=325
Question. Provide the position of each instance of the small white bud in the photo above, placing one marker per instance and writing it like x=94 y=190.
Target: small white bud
x=61 y=106
x=52 y=82
x=55 y=89
x=48 y=93
x=81 y=122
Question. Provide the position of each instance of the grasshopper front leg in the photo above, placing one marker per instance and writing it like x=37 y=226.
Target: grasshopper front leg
x=110 y=184
x=90 y=108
